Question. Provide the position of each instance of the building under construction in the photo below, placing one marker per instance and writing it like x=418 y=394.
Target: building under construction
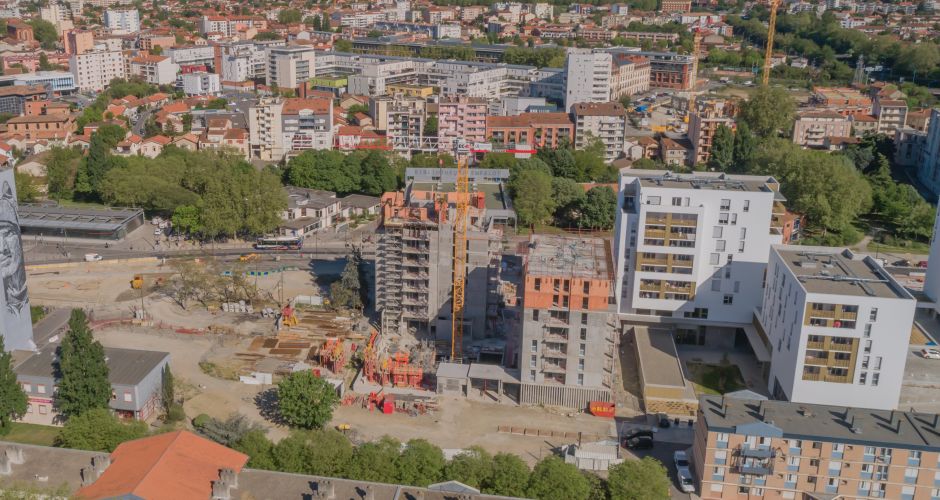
x=414 y=262
x=566 y=356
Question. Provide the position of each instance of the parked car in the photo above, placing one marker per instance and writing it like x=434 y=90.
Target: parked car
x=639 y=443
x=922 y=264
x=681 y=459
x=685 y=480
x=92 y=257
x=930 y=353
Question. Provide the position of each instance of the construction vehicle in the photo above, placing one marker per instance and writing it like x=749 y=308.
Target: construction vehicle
x=769 y=49
x=249 y=257
x=288 y=317
x=138 y=282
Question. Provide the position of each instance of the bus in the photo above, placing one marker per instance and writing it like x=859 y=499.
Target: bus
x=280 y=243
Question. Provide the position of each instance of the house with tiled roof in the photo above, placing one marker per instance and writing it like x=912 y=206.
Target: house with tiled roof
x=129 y=146
x=151 y=147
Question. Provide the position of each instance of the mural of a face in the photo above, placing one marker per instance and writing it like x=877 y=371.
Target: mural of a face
x=12 y=270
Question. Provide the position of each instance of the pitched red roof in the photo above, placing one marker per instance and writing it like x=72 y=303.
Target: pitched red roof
x=178 y=465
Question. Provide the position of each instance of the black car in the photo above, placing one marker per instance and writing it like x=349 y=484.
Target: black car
x=632 y=433
x=639 y=443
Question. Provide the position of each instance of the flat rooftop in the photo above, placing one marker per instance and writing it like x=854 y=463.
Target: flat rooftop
x=837 y=271
x=659 y=360
x=879 y=428
x=571 y=256
x=704 y=180
x=493 y=193
x=56 y=217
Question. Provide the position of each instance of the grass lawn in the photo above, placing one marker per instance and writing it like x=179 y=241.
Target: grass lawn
x=914 y=248
x=715 y=379
x=43 y=435
x=81 y=204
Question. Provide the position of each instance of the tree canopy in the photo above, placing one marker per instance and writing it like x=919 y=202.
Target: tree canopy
x=12 y=398
x=553 y=479
x=370 y=173
x=98 y=430
x=82 y=370
x=638 y=480
x=306 y=400
x=768 y=112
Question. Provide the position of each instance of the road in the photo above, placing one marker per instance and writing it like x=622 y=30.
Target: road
x=48 y=326
x=141 y=122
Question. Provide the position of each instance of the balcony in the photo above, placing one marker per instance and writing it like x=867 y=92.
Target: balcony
x=756 y=452
x=758 y=470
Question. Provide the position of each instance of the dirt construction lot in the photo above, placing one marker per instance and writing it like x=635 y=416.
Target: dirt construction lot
x=459 y=423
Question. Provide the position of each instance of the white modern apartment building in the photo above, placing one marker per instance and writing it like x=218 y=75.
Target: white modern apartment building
x=606 y=121
x=838 y=326
x=247 y=60
x=276 y=127
x=201 y=83
x=193 y=56
x=587 y=77
x=95 y=70
x=122 y=20
x=928 y=172
x=288 y=67
x=157 y=70
x=691 y=249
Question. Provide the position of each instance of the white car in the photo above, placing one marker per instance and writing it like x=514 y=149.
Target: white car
x=92 y=257
x=681 y=459
x=930 y=353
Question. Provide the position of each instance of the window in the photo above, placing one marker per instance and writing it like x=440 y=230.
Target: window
x=725 y=205
x=533 y=360
x=584 y=334
x=532 y=375
x=716 y=232
x=714 y=259
x=721 y=457
x=910 y=475
x=729 y=260
x=581 y=364
x=652 y=200
x=873 y=315
x=743 y=233
x=580 y=379
x=584 y=303
x=676 y=201
x=720 y=246
x=580 y=349
x=718 y=473
x=43 y=409
x=716 y=285
x=862 y=378
x=877 y=362
x=128 y=397
x=741 y=246
x=716 y=487
x=728 y=300
x=734 y=219
x=538 y=284
x=27 y=388
x=867 y=330
x=874 y=379
x=535 y=315
x=535 y=346
x=747 y=205
x=41 y=388
x=723 y=219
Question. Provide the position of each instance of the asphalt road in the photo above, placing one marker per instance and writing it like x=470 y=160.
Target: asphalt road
x=48 y=326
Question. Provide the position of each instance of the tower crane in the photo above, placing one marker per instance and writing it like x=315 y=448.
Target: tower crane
x=696 y=46
x=769 y=49
x=460 y=259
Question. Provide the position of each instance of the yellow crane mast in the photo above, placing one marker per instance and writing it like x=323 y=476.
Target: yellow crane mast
x=769 y=49
x=460 y=259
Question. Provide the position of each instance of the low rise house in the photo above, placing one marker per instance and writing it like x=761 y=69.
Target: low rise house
x=135 y=376
x=308 y=211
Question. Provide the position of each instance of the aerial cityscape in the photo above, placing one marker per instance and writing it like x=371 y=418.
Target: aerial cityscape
x=440 y=249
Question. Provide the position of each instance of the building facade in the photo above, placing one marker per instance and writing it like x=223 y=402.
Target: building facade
x=704 y=122
x=460 y=119
x=746 y=449
x=288 y=67
x=532 y=129
x=158 y=70
x=630 y=75
x=811 y=128
x=605 y=121
x=566 y=353
x=587 y=77
x=201 y=83
x=832 y=320
x=122 y=20
x=691 y=250
x=95 y=70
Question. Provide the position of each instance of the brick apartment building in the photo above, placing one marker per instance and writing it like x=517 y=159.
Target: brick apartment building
x=534 y=129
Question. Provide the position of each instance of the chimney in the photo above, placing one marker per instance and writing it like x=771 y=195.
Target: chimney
x=220 y=491
x=15 y=454
x=325 y=490
x=6 y=467
x=88 y=474
x=761 y=410
x=100 y=463
x=229 y=477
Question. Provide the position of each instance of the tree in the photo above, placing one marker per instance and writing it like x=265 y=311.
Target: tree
x=499 y=161
x=430 y=126
x=346 y=292
x=638 y=480
x=769 y=112
x=289 y=16
x=320 y=452
x=473 y=467
x=186 y=219
x=13 y=400
x=722 y=152
x=225 y=432
x=532 y=197
x=375 y=461
x=167 y=389
x=341 y=45
x=98 y=430
x=745 y=144
x=61 y=169
x=267 y=35
x=510 y=476
x=325 y=26
x=44 y=64
x=377 y=175
x=258 y=448
x=305 y=400
x=598 y=208
x=82 y=370
x=420 y=464
x=26 y=190
x=553 y=479
x=217 y=103
x=44 y=32
x=324 y=169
